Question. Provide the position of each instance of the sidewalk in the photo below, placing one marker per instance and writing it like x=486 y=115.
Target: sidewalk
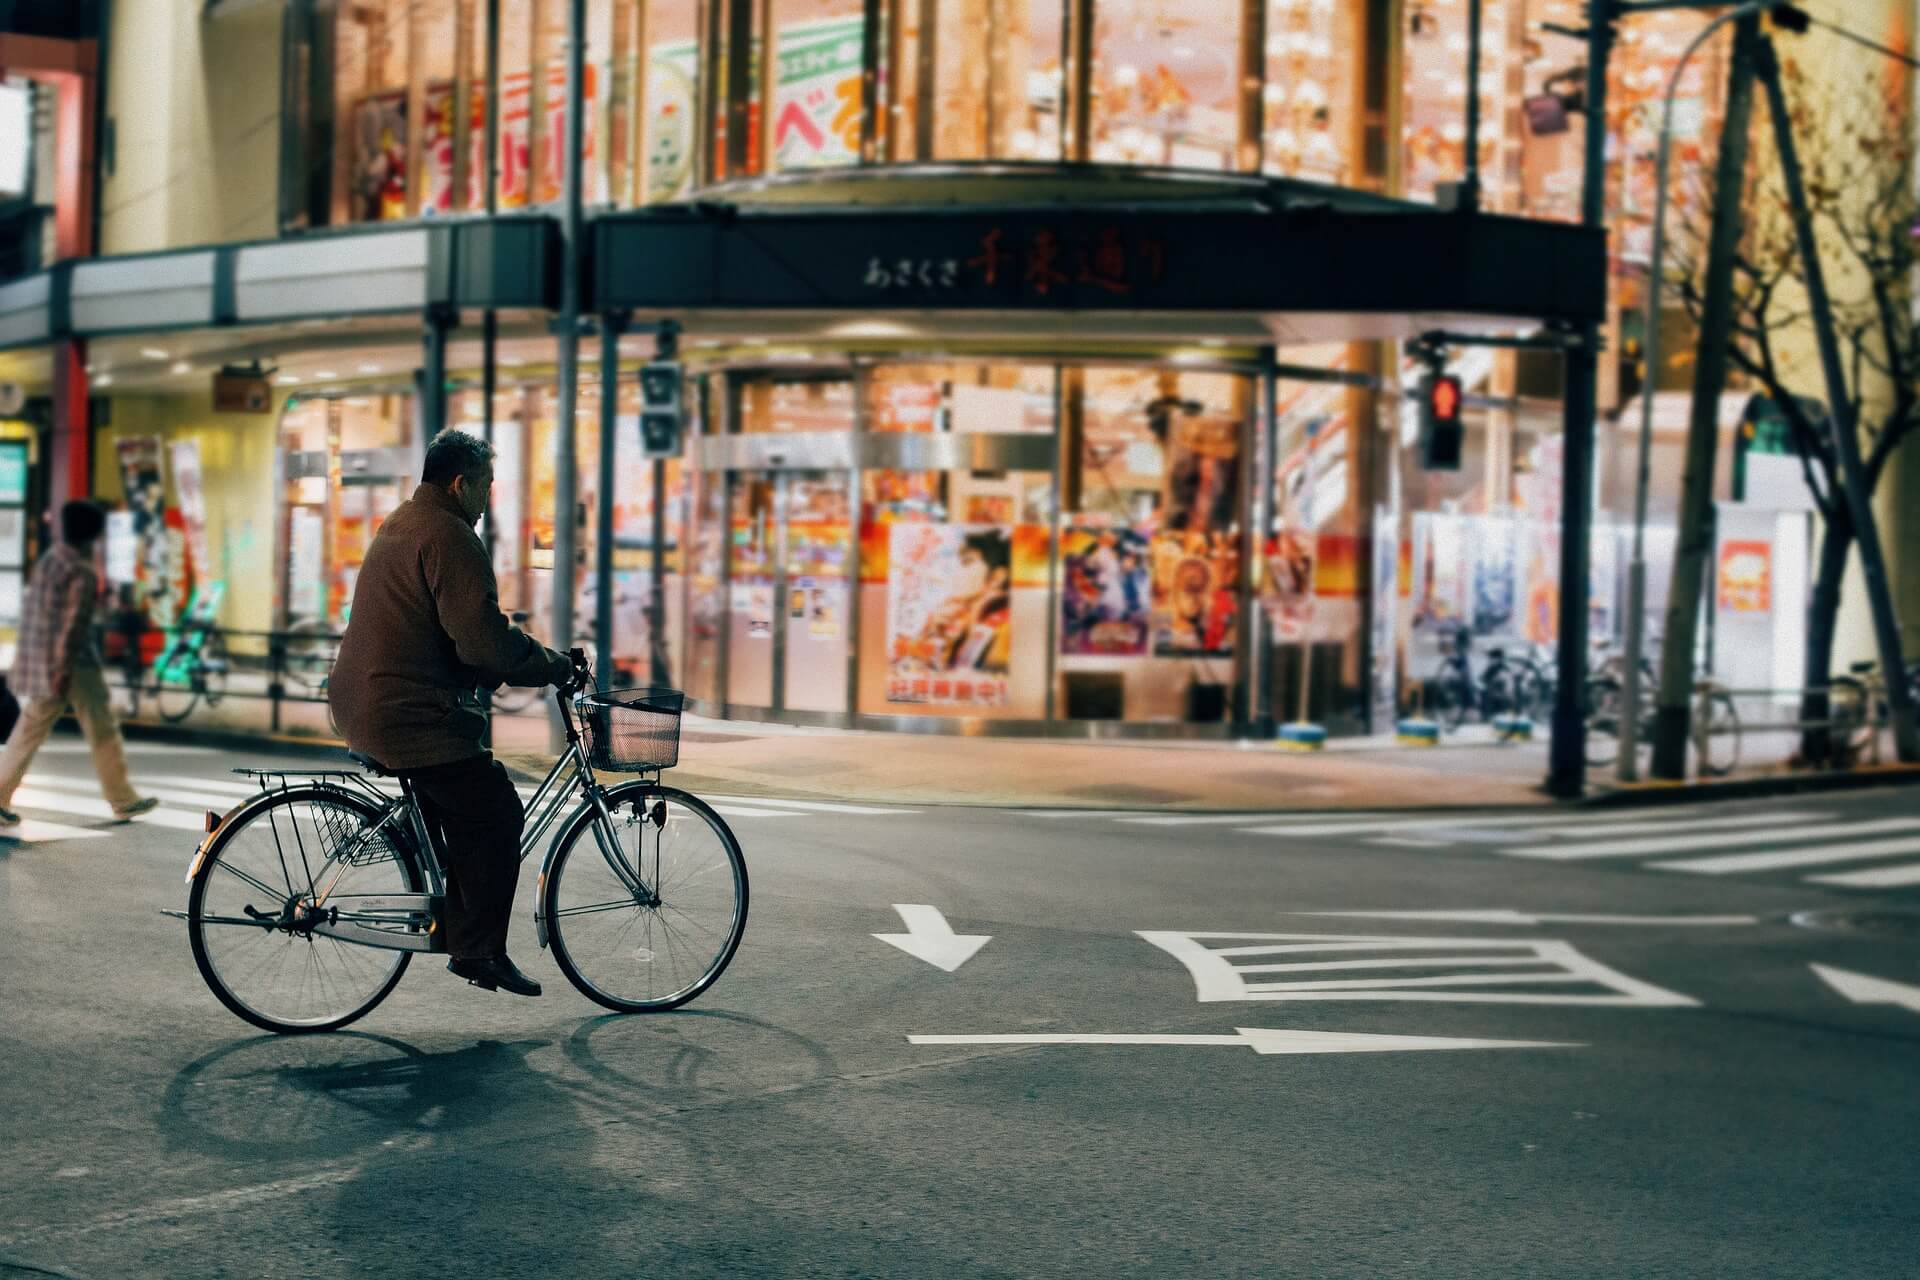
x=1470 y=770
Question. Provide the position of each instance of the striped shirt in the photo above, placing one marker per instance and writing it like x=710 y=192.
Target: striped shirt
x=56 y=623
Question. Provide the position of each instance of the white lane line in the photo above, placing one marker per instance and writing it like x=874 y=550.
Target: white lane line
x=89 y=807
x=34 y=831
x=134 y=746
x=1907 y=873
x=1236 y=819
x=1410 y=842
x=813 y=806
x=1733 y=840
x=230 y=787
x=1578 y=830
x=167 y=795
x=748 y=811
x=1806 y=856
x=1430 y=824
x=1506 y=915
x=1261 y=1040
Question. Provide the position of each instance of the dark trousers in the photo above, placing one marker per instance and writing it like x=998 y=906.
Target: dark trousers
x=477 y=816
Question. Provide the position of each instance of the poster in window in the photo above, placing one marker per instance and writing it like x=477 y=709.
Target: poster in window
x=553 y=130
x=1746 y=576
x=379 y=181
x=816 y=121
x=949 y=613
x=1494 y=575
x=13 y=471
x=436 y=146
x=142 y=480
x=516 y=142
x=1196 y=594
x=193 y=510
x=671 y=71
x=1203 y=468
x=13 y=538
x=1106 y=592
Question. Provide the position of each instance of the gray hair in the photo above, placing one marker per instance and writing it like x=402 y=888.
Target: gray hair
x=455 y=453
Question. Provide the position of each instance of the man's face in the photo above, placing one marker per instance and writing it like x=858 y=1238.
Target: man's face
x=474 y=492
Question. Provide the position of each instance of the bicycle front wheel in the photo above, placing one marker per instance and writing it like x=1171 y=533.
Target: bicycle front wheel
x=661 y=940
x=1605 y=702
x=266 y=867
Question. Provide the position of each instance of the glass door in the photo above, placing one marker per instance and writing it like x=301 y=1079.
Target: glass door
x=817 y=574
x=752 y=569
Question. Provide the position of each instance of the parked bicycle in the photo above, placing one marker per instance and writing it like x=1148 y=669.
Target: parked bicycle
x=306 y=903
x=1858 y=707
x=193 y=665
x=1456 y=692
x=1713 y=727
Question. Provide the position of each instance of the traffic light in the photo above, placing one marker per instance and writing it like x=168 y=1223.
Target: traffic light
x=1441 y=432
x=660 y=413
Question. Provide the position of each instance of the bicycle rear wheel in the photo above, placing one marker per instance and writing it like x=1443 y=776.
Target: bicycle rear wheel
x=638 y=952
x=1605 y=702
x=178 y=687
x=265 y=863
x=1717 y=736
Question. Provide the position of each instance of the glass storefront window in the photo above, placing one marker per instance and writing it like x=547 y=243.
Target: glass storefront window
x=777 y=403
x=347 y=463
x=1166 y=82
x=814 y=83
x=1312 y=87
x=1434 y=139
x=672 y=103
x=976 y=80
x=1150 y=544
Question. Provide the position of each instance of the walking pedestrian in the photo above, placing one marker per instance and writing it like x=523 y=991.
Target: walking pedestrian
x=58 y=665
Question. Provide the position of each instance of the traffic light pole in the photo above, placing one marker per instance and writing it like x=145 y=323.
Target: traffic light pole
x=667 y=347
x=1567 y=755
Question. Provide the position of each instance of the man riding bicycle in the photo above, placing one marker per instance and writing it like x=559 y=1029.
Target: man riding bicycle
x=426 y=631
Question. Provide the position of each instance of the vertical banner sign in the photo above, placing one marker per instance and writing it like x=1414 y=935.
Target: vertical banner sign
x=1746 y=576
x=380 y=156
x=816 y=121
x=949 y=614
x=193 y=512
x=156 y=589
x=13 y=532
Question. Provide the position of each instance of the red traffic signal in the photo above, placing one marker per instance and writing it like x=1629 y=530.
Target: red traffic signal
x=1442 y=434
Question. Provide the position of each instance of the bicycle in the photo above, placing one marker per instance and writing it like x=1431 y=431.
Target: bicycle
x=193 y=665
x=1713 y=728
x=306 y=902
x=1858 y=707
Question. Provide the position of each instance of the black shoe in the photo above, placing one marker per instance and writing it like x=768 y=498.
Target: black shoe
x=491 y=973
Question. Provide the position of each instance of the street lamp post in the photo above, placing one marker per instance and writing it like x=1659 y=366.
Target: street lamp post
x=1628 y=766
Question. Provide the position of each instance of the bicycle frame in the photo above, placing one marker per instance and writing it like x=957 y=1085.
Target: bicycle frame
x=373 y=920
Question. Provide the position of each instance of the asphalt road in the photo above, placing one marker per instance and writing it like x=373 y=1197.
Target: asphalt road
x=1690 y=1097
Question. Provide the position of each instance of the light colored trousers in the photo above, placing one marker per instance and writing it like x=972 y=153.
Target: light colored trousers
x=87 y=693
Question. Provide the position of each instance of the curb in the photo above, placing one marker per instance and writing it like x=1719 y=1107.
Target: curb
x=1652 y=794
x=239 y=740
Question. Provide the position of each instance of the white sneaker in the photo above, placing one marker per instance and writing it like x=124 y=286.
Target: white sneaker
x=146 y=804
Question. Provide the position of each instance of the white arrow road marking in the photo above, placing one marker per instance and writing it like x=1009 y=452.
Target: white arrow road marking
x=1495 y=916
x=1265 y=1040
x=1864 y=989
x=929 y=937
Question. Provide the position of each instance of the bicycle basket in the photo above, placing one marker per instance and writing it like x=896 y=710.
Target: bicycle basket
x=632 y=730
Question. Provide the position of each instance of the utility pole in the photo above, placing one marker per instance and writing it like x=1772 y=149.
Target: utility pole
x=566 y=465
x=1567 y=759
x=1694 y=544
x=1840 y=419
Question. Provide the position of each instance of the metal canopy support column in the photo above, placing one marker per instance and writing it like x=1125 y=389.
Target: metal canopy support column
x=565 y=466
x=1567 y=761
x=612 y=325
x=433 y=372
x=1841 y=420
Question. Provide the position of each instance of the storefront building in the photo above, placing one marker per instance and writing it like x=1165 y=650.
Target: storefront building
x=1047 y=361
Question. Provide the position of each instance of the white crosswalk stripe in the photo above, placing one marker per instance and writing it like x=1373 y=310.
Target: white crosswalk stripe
x=1693 y=839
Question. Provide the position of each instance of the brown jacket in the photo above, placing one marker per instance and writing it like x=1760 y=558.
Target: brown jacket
x=426 y=630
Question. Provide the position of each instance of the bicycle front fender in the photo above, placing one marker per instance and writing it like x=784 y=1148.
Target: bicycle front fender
x=593 y=811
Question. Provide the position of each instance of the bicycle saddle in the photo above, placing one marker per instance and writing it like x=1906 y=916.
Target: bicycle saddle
x=371 y=765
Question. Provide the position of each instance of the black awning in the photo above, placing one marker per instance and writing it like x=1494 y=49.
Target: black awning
x=1094 y=260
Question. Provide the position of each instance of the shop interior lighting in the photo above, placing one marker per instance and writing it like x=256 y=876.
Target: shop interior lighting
x=369 y=367
x=104 y=380
x=513 y=362
x=153 y=353
x=288 y=380
x=182 y=366
x=324 y=375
